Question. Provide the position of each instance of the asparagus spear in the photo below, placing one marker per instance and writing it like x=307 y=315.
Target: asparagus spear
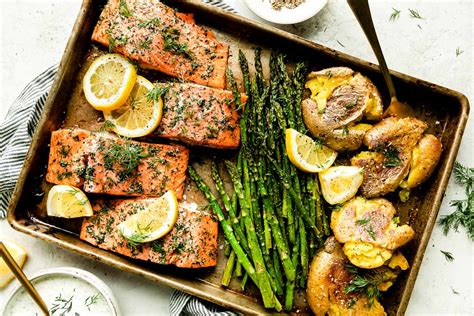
x=229 y=267
x=258 y=274
x=228 y=206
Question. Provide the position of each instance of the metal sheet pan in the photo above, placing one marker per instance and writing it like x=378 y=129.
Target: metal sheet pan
x=445 y=110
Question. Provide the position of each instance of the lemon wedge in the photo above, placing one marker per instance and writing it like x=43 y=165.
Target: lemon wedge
x=19 y=255
x=68 y=202
x=140 y=114
x=108 y=82
x=339 y=184
x=153 y=222
x=307 y=154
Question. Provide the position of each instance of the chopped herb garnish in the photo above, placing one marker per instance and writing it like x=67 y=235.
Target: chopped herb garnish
x=366 y=282
x=61 y=305
x=459 y=51
x=415 y=14
x=395 y=14
x=146 y=43
x=107 y=126
x=464 y=213
x=90 y=300
x=345 y=130
x=351 y=104
x=151 y=22
x=157 y=92
x=123 y=9
x=370 y=231
x=127 y=155
x=447 y=255
x=364 y=221
x=340 y=43
x=392 y=158
x=171 y=37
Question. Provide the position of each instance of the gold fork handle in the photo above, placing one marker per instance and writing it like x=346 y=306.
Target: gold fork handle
x=16 y=270
x=361 y=11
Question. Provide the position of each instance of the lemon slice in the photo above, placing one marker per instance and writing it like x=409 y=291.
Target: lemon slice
x=339 y=184
x=155 y=221
x=307 y=154
x=139 y=115
x=108 y=82
x=68 y=202
x=18 y=254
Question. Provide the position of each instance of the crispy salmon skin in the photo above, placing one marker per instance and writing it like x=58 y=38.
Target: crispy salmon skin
x=199 y=115
x=124 y=167
x=192 y=243
x=67 y=155
x=162 y=39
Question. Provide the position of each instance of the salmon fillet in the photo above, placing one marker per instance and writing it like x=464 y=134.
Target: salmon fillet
x=199 y=115
x=67 y=156
x=123 y=167
x=192 y=243
x=162 y=39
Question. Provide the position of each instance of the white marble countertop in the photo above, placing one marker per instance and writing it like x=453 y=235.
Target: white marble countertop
x=34 y=34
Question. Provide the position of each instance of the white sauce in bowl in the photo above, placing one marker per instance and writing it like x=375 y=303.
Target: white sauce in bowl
x=64 y=294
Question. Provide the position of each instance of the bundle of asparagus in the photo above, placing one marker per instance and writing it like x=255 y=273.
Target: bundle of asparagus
x=275 y=220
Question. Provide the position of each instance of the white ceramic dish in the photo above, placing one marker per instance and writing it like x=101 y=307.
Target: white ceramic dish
x=303 y=12
x=87 y=294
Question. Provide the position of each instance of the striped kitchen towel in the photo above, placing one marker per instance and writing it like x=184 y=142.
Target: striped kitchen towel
x=17 y=129
x=16 y=132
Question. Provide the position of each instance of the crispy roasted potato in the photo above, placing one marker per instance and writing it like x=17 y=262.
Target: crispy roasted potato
x=398 y=132
x=424 y=159
x=393 y=140
x=349 y=139
x=369 y=232
x=327 y=280
x=339 y=98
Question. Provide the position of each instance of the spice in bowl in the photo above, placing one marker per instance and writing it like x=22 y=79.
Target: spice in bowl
x=290 y=4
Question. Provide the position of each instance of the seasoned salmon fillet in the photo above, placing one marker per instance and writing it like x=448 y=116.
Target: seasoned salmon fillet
x=123 y=167
x=67 y=156
x=192 y=243
x=199 y=115
x=162 y=39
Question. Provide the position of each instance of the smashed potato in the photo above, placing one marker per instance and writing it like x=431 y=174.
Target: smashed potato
x=369 y=231
x=327 y=279
x=340 y=98
x=365 y=255
x=398 y=144
x=425 y=157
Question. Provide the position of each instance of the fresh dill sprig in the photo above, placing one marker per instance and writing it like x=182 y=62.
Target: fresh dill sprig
x=61 y=305
x=415 y=14
x=90 y=300
x=370 y=231
x=127 y=155
x=392 y=158
x=464 y=209
x=366 y=282
x=123 y=9
x=448 y=256
x=107 y=126
x=459 y=51
x=364 y=221
x=395 y=14
x=351 y=104
x=464 y=176
x=157 y=92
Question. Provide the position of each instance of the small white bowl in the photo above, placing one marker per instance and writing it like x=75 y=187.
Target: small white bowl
x=59 y=279
x=303 y=12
